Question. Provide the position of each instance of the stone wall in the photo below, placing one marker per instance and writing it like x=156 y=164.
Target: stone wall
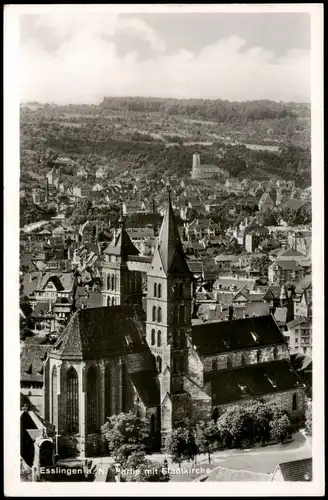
x=181 y=408
x=201 y=402
x=245 y=356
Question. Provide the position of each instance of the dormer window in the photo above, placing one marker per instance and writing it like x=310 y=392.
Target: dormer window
x=255 y=336
x=272 y=382
x=243 y=388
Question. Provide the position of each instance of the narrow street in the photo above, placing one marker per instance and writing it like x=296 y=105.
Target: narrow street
x=262 y=460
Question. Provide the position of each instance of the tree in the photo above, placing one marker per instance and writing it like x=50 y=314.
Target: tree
x=262 y=415
x=280 y=428
x=181 y=445
x=207 y=437
x=140 y=469
x=230 y=426
x=252 y=423
x=125 y=434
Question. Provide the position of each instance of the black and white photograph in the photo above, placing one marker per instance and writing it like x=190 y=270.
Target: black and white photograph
x=163 y=249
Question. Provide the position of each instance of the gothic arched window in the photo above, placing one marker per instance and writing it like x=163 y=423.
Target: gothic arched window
x=72 y=413
x=154 y=313
x=153 y=337
x=159 y=290
x=113 y=282
x=181 y=315
x=215 y=414
x=155 y=289
x=180 y=289
x=113 y=301
x=159 y=315
x=294 y=402
x=275 y=353
x=108 y=391
x=124 y=387
x=108 y=301
x=258 y=356
x=159 y=338
x=92 y=399
x=159 y=364
x=54 y=409
x=181 y=364
x=152 y=424
x=214 y=364
x=108 y=282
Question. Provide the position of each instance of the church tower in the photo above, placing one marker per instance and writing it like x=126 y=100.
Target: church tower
x=121 y=286
x=168 y=325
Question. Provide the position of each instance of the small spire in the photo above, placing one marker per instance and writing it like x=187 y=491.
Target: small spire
x=121 y=219
x=168 y=187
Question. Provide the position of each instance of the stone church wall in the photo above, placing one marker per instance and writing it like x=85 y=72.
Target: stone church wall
x=244 y=357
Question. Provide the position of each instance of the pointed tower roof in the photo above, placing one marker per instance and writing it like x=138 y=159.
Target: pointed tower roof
x=121 y=245
x=169 y=246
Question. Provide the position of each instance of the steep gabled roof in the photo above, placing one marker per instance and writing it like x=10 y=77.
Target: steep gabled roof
x=121 y=245
x=250 y=381
x=305 y=283
x=99 y=332
x=266 y=198
x=32 y=358
x=225 y=336
x=297 y=470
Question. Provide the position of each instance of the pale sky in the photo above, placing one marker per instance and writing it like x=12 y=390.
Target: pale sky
x=82 y=57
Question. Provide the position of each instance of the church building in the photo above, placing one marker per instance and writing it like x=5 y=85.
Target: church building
x=155 y=362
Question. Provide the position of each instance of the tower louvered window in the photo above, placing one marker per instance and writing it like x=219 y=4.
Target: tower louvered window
x=159 y=315
x=159 y=291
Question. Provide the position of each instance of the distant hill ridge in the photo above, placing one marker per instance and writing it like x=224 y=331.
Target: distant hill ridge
x=211 y=109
